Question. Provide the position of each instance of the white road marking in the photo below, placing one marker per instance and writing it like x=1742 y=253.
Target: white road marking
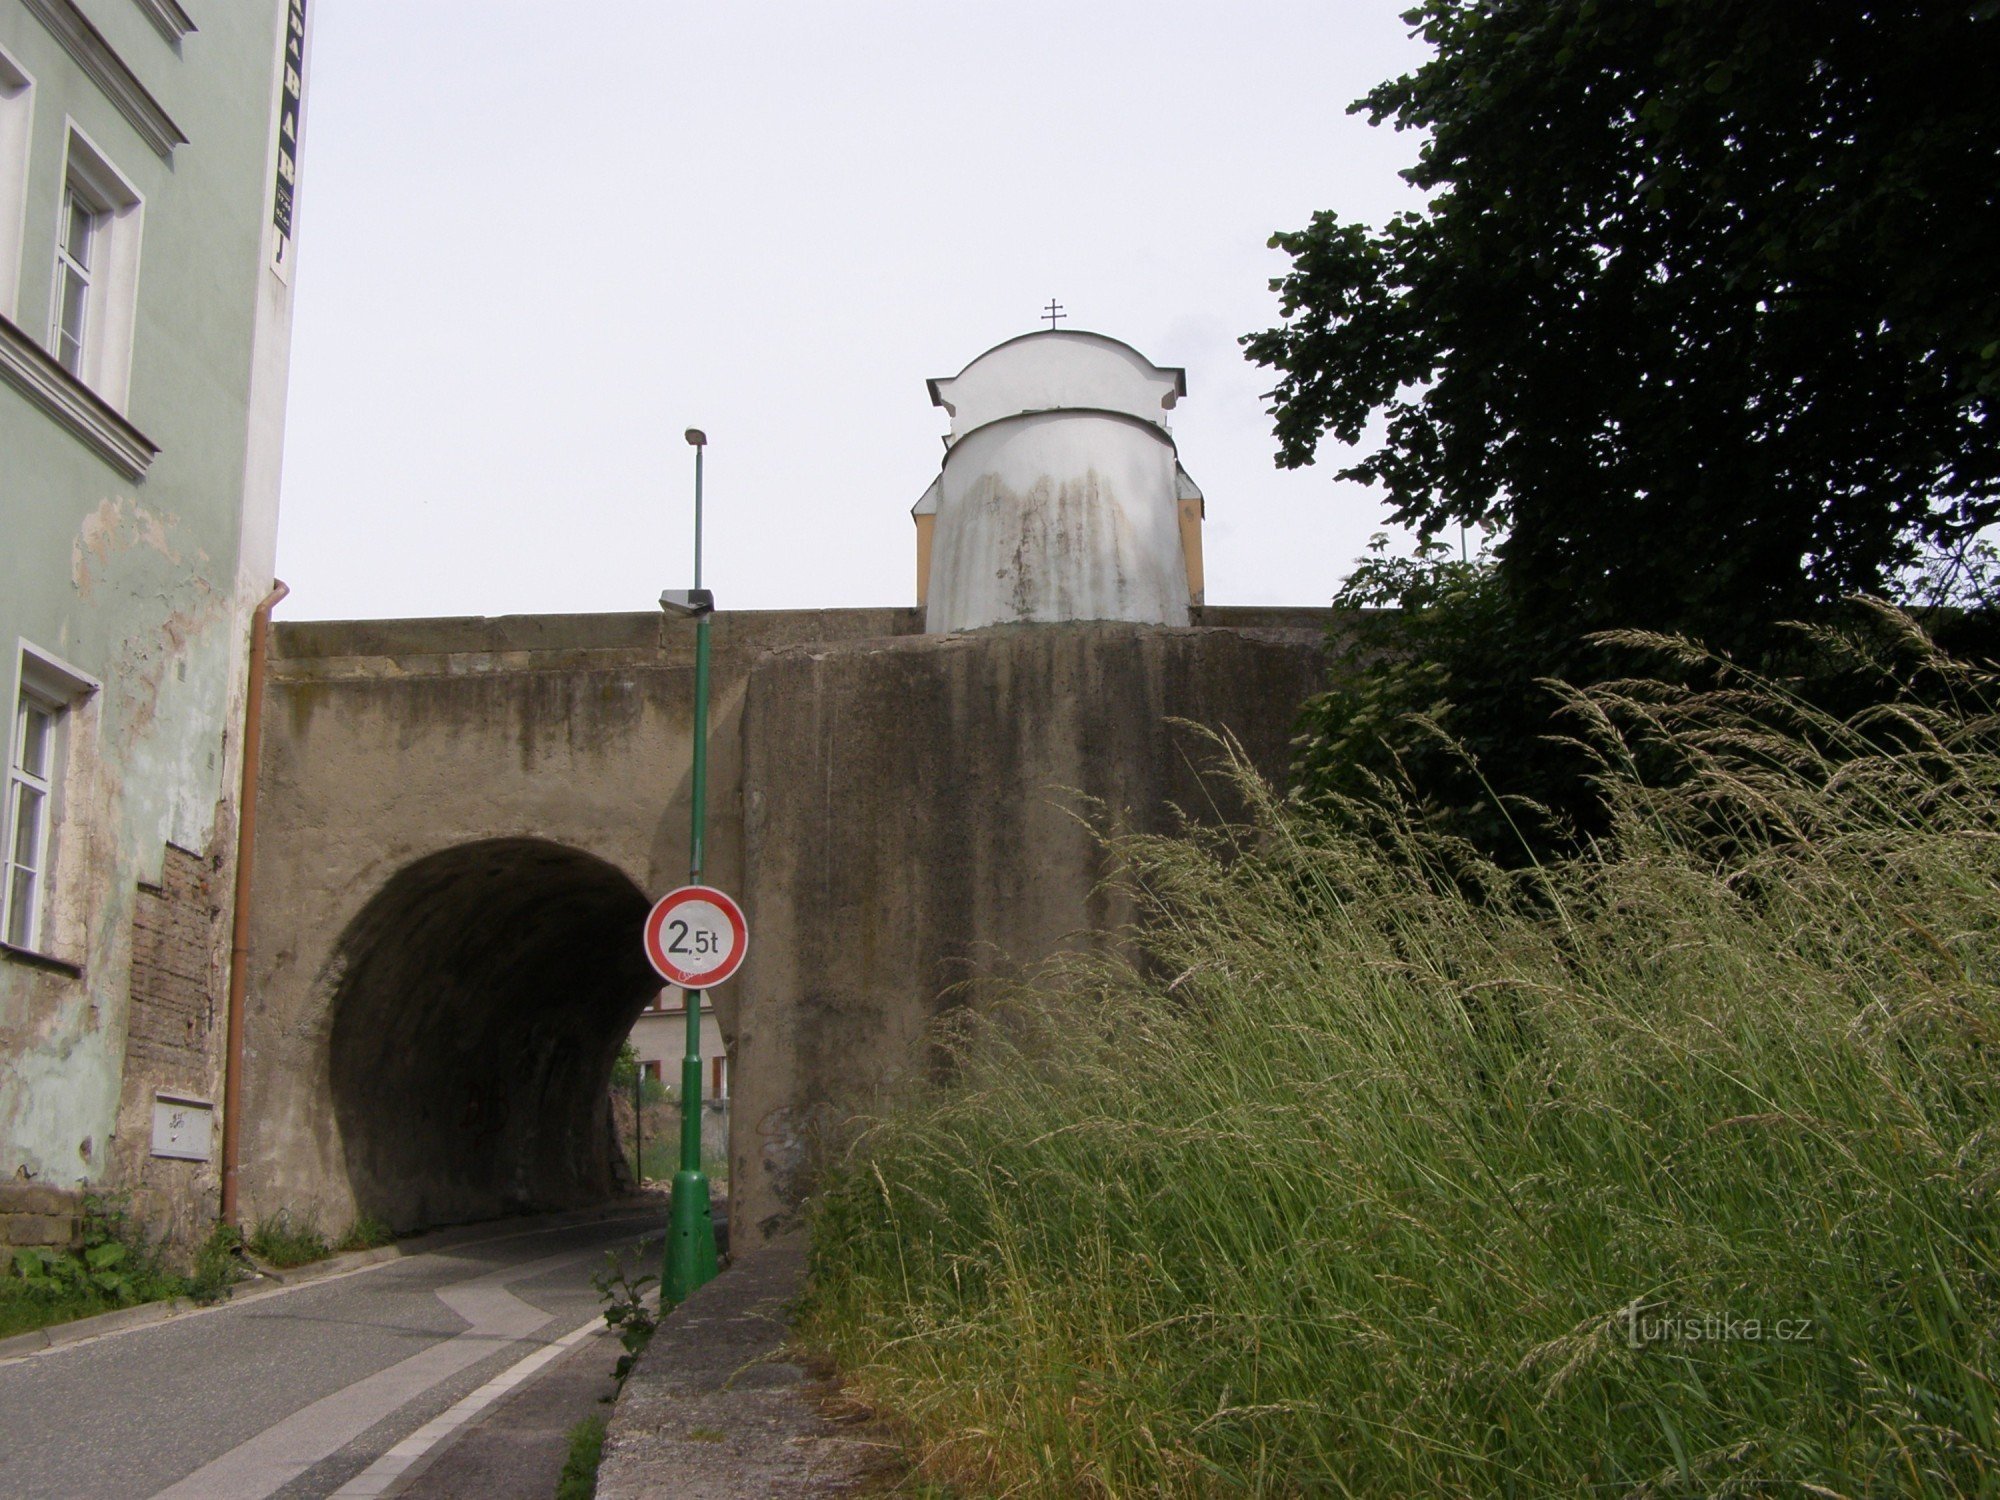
x=286 y=1449
x=376 y=1479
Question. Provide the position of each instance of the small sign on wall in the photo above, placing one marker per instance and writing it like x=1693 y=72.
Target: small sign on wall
x=183 y=1128
x=289 y=107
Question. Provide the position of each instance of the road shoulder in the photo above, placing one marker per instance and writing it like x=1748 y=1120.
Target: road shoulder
x=717 y=1411
x=515 y=1449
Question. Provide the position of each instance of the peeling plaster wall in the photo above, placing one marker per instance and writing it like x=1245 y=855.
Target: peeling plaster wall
x=167 y=681
x=143 y=584
x=143 y=607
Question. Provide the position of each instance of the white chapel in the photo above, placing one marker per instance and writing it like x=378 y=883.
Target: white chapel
x=1061 y=496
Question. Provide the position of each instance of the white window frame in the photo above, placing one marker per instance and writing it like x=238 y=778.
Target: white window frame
x=78 y=225
x=47 y=685
x=104 y=361
x=17 y=119
x=30 y=819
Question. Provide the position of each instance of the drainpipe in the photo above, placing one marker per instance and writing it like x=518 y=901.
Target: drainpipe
x=239 y=922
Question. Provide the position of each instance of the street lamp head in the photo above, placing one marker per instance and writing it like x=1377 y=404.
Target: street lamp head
x=691 y=602
x=697 y=438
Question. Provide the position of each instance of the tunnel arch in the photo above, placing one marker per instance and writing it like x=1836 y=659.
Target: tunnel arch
x=480 y=1000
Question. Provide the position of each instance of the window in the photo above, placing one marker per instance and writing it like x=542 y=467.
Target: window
x=28 y=793
x=72 y=307
x=16 y=116
x=94 y=299
x=42 y=704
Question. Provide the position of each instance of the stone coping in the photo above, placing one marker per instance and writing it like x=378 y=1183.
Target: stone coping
x=299 y=641
x=459 y=645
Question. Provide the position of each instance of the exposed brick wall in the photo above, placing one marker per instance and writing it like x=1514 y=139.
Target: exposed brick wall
x=175 y=1009
x=173 y=1041
x=31 y=1214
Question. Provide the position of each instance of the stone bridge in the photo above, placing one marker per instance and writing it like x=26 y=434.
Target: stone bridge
x=464 y=822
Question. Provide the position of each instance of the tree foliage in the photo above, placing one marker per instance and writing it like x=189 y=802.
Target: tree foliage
x=1703 y=312
x=625 y=1067
x=1434 y=697
x=1439 y=695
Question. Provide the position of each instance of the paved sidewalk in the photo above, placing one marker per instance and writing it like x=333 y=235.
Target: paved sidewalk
x=516 y=1449
x=715 y=1411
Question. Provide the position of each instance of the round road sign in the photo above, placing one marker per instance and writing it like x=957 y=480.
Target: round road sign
x=696 y=937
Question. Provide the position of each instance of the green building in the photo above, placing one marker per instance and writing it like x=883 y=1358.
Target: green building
x=148 y=161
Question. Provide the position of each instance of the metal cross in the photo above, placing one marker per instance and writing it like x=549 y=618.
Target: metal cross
x=1052 y=312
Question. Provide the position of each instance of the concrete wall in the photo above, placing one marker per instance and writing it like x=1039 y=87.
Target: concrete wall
x=464 y=822
x=912 y=821
x=396 y=751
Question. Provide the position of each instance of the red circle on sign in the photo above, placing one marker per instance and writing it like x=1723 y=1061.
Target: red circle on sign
x=677 y=926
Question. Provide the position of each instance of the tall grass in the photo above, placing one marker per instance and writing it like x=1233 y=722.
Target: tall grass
x=1376 y=1169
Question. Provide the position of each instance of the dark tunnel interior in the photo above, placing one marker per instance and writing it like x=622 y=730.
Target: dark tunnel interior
x=481 y=998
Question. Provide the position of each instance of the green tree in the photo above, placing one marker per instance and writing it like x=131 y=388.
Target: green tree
x=1703 y=312
x=625 y=1067
x=1434 y=695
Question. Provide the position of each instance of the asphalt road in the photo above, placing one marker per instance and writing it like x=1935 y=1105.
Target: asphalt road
x=332 y=1387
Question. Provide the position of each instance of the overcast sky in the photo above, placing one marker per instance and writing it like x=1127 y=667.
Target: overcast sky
x=537 y=241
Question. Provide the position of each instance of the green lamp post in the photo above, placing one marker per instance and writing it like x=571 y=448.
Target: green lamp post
x=691 y=1260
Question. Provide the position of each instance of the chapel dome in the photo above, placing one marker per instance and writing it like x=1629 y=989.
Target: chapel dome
x=1061 y=496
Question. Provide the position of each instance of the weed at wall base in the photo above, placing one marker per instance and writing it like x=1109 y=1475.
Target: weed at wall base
x=578 y=1480
x=628 y=1310
x=218 y=1265
x=113 y=1266
x=284 y=1241
x=366 y=1233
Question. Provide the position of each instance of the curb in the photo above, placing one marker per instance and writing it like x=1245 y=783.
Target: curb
x=721 y=1408
x=57 y=1334
x=312 y=1270
x=269 y=1280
